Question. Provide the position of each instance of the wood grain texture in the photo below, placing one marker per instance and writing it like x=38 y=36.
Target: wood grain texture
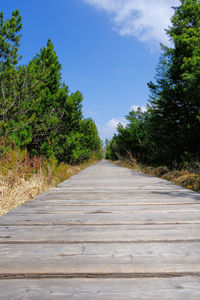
x=99 y=234
x=106 y=233
x=179 y=288
x=126 y=258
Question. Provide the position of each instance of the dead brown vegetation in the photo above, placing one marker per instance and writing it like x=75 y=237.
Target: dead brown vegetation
x=187 y=177
x=22 y=178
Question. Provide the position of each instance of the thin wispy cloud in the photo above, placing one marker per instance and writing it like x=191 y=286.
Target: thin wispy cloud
x=144 y=19
x=92 y=113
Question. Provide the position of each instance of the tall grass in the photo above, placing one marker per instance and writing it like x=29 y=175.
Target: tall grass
x=188 y=176
x=22 y=177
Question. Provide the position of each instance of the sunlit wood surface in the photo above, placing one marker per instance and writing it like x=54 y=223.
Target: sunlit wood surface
x=106 y=233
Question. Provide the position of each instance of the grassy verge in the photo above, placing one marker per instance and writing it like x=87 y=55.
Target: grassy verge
x=188 y=177
x=22 y=178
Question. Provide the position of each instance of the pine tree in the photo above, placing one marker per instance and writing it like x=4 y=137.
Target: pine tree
x=37 y=111
x=9 y=77
x=9 y=39
x=175 y=101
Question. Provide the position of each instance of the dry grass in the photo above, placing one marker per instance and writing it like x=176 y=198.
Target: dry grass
x=23 y=178
x=130 y=163
x=185 y=179
x=188 y=178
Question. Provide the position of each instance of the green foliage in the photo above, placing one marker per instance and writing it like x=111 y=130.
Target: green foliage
x=37 y=111
x=112 y=149
x=169 y=131
x=9 y=39
x=175 y=97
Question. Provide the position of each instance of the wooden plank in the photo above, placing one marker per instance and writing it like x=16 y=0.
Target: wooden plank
x=101 y=218
x=49 y=209
x=107 y=202
x=106 y=234
x=125 y=196
x=128 y=259
x=115 y=188
x=112 y=202
x=123 y=192
x=181 y=288
x=134 y=236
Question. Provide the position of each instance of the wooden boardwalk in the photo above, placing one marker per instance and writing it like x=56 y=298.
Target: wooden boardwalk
x=106 y=233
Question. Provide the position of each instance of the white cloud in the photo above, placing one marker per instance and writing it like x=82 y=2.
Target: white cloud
x=113 y=123
x=135 y=107
x=111 y=128
x=144 y=19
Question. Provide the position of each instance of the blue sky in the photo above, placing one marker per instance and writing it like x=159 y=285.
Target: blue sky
x=108 y=49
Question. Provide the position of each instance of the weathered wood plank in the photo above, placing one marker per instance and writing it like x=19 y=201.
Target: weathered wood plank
x=181 y=288
x=107 y=234
x=49 y=209
x=110 y=202
x=113 y=193
x=113 y=196
x=129 y=258
x=101 y=218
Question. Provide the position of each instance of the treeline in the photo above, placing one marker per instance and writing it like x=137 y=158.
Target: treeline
x=37 y=111
x=169 y=131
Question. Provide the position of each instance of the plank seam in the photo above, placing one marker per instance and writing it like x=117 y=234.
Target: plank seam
x=5 y=276
x=98 y=242
x=103 y=224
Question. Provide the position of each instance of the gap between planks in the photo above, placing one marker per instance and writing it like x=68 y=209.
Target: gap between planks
x=52 y=242
x=96 y=275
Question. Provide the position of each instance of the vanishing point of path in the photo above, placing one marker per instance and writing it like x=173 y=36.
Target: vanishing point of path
x=106 y=233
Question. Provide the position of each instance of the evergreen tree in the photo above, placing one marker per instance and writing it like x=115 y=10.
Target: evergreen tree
x=175 y=98
x=169 y=132
x=9 y=39
x=37 y=111
x=9 y=57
